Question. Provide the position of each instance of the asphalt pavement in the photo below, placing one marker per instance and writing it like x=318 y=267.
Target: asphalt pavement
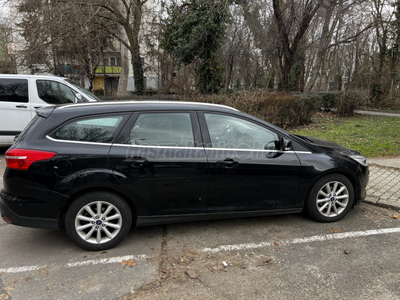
x=376 y=113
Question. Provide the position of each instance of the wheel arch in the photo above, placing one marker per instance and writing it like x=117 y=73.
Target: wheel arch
x=351 y=178
x=79 y=193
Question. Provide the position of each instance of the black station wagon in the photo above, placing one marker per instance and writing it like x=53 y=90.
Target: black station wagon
x=100 y=168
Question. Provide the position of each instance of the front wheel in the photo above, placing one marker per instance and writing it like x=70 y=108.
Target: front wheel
x=330 y=198
x=98 y=221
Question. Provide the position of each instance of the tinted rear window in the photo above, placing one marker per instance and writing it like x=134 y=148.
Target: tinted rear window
x=13 y=90
x=99 y=129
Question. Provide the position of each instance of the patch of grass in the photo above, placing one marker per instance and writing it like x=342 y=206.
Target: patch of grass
x=372 y=136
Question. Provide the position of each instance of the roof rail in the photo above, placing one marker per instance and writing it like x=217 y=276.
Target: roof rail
x=150 y=102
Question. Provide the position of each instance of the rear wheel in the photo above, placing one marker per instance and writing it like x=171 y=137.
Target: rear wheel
x=98 y=221
x=330 y=198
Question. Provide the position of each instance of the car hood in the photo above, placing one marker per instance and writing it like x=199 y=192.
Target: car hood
x=327 y=147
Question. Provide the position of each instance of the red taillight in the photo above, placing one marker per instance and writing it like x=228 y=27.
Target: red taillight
x=21 y=159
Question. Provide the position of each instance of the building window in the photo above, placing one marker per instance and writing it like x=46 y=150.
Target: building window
x=112 y=61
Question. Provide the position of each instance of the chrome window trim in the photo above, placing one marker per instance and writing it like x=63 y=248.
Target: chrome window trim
x=175 y=147
x=77 y=142
x=258 y=150
x=160 y=147
x=206 y=148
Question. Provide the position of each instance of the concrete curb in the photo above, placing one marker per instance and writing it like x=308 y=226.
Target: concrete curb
x=372 y=200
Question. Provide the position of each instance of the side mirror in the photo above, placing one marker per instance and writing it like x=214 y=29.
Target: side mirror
x=286 y=144
x=78 y=97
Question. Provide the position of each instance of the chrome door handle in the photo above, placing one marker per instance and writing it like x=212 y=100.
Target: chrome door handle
x=228 y=163
x=136 y=162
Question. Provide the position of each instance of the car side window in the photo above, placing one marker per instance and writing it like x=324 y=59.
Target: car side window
x=229 y=132
x=163 y=129
x=95 y=130
x=14 y=90
x=53 y=92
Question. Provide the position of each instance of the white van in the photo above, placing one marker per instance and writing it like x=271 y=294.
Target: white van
x=21 y=95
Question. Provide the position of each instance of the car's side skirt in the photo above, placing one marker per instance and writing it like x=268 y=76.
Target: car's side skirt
x=169 y=219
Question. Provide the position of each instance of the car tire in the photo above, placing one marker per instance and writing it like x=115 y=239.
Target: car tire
x=330 y=199
x=98 y=221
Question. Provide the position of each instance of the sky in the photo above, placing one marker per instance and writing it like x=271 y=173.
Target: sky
x=4 y=11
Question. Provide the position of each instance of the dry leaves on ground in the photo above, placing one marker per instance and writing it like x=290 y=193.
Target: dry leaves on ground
x=130 y=263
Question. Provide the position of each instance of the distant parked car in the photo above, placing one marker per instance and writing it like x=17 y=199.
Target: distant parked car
x=100 y=168
x=21 y=95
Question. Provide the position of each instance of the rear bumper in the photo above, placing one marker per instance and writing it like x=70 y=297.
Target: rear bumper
x=9 y=216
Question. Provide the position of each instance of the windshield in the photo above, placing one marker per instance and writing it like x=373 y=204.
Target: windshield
x=82 y=90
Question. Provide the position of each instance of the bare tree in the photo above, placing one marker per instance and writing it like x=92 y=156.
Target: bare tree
x=7 y=59
x=122 y=19
x=57 y=34
x=291 y=33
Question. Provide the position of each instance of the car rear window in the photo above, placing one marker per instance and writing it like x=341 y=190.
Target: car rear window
x=13 y=90
x=34 y=123
x=99 y=129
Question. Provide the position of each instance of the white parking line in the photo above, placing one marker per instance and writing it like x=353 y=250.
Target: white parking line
x=237 y=247
x=111 y=260
x=315 y=238
x=21 y=269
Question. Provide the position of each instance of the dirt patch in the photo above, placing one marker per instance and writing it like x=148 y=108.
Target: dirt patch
x=198 y=275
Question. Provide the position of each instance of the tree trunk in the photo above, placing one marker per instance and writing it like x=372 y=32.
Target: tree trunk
x=138 y=73
x=290 y=49
x=326 y=36
x=123 y=77
x=229 y=76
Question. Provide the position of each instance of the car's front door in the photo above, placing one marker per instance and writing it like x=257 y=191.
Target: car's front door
x=50 y=92
x=159 y=159
x=248 y=170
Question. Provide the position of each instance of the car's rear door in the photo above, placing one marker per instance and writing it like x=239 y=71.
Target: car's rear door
x=248 y=170
x=158 y=157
